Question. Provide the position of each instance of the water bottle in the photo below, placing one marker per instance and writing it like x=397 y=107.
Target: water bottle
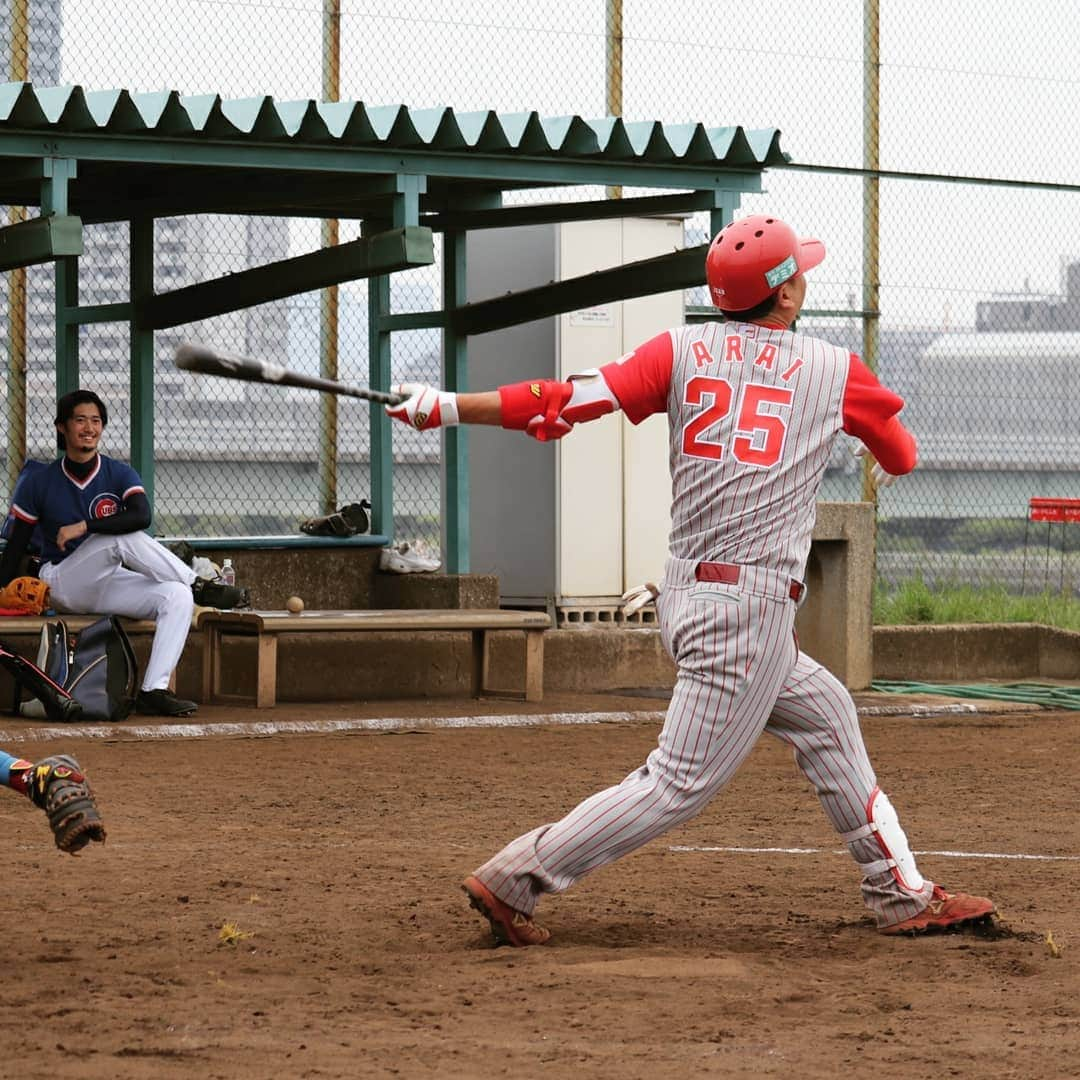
x=228 y=573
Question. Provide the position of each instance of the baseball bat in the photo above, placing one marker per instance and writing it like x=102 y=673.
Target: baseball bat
x=206 y=361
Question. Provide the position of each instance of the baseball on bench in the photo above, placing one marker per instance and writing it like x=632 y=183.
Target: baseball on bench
x=295 y=604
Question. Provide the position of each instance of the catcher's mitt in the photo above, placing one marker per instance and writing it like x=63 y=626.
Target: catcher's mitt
x=58 y=786
x=26 y=594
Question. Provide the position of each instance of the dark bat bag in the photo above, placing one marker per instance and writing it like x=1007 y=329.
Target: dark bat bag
x=94 y=668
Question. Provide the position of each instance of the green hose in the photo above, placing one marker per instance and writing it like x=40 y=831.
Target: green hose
x=1052 y=697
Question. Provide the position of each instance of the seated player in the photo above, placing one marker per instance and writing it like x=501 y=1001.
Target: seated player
x=96 y=558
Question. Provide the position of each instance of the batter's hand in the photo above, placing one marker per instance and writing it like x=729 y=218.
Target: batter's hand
x=881 y=478
x=636 y=598
x=425 y=407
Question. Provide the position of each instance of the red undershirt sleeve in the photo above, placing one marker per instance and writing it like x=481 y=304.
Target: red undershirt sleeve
x=870 y=415
x=640 y=379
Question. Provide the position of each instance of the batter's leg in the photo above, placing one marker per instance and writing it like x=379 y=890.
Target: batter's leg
x=718 y=710
x=814 y=713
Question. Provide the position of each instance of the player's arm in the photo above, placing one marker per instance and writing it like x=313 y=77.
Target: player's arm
x=133 y=516
x=870 y=415
x=549 y=408
x=15 y=549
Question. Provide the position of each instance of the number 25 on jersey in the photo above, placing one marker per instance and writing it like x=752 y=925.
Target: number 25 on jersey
x=757 y=437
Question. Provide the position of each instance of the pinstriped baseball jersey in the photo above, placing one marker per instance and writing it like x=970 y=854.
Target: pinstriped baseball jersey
x=753 y=413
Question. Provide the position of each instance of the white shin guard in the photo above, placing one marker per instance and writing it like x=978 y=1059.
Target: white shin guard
x=884 y=825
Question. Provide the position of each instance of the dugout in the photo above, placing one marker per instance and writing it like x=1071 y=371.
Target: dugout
x=409 y=175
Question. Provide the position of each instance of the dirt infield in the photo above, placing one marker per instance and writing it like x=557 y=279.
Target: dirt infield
x=337 y=859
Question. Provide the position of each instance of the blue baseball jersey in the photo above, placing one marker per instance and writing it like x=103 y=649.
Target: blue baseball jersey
x=53 y=497
x=32 y=466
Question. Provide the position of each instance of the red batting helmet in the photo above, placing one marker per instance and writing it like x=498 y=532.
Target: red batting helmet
x=753 y=257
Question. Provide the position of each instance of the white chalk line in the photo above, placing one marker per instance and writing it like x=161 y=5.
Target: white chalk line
x=267 y=728
x=681 y=848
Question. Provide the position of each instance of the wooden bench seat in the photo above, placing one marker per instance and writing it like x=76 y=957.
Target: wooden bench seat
x=32 y=624
x=266 y=626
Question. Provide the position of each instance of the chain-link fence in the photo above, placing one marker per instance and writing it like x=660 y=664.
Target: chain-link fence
x=976 y=293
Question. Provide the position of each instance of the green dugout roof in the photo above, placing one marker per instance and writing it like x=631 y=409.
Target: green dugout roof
x=85 y=157
x=147 y=140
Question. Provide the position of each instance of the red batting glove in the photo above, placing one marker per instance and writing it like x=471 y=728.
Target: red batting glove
x=425 y=407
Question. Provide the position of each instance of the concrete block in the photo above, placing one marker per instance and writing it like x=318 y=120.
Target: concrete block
x=450 y=591
x=958 y=653
x=1059 y=653
x=835 y=622
x=589 y=659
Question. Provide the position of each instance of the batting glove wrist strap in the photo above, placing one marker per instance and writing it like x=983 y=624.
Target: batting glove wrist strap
x=425 y=407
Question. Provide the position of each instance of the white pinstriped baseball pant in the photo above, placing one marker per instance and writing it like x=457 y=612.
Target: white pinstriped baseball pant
x=739 y=673
x=133 y=575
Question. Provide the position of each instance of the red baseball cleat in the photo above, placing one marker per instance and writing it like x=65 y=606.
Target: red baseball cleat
x=945 y=909
x=509 y=927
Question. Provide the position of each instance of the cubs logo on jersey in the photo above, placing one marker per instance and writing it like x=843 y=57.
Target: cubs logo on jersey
x=104 y=505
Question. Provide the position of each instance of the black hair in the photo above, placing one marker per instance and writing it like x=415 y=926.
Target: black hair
x=65 y=407
x=758 y=311
x=65 y=410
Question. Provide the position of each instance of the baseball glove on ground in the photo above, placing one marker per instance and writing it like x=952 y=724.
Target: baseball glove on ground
x=60 y=789
x=26 y=594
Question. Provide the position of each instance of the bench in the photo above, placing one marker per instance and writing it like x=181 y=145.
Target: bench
x=267 y=626
x=32 y=624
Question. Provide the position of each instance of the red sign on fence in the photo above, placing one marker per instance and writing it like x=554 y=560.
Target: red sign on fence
x=1054 y=510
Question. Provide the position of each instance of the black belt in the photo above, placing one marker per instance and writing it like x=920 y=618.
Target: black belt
x=728 y=574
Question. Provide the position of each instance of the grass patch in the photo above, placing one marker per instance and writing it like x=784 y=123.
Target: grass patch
x=915 y=602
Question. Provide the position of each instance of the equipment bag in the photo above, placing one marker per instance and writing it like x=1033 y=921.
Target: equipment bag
x=52 y=701
x=95 y=667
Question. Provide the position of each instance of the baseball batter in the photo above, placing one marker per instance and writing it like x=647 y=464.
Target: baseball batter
x=57 y=786
x=753 y=410
x=90 y=512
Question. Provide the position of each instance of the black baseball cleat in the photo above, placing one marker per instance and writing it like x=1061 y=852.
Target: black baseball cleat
x=217 y=595
x=162 y=703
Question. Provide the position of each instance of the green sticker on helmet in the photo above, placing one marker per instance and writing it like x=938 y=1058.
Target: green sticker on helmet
x=782 y=272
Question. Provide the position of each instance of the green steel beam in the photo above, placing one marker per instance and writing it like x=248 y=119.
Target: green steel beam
x=406 y=211
x=414 y=320
x=195 y=191
x=595 y=210
x=492 y=168
x=665 y=273
x=99 y=313
x=141 y=344
x=379 y=373
x=383 y=253
x=40 y=240
x=723 y=210
x=698 y=313
x=456 y=538
x=58 y=173
x=26 y=169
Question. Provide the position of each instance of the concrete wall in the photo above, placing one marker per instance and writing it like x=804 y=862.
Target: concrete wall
x=835 y=622
x=961 y=653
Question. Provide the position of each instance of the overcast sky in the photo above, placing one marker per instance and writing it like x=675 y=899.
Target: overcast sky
x=987 y=89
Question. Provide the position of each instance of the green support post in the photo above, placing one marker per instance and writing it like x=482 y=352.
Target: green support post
x=407 y=200
x=456 y=537
x=141 y=247
x=405 y=215
x=54 y=200
x=378 y=375
x=725 y=203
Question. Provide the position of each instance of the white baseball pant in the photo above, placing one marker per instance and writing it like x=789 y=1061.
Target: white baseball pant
x=740 y=673
x=132 y=575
